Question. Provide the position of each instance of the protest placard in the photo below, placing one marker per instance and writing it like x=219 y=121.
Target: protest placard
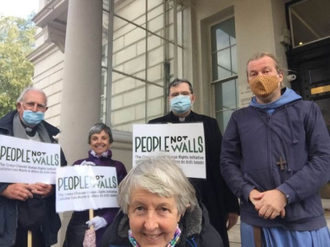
x=27 y=161
x=182 y=142
x=86 y=187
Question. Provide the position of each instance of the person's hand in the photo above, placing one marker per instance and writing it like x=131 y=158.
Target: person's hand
x=42 y=189
x=98 y=222
x=17 y=191
x=270 y=204
x=87 y=163
x=231 y=220
x=254 y=196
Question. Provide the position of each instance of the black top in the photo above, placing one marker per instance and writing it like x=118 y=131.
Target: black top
x=215 y=194
x=195 y=226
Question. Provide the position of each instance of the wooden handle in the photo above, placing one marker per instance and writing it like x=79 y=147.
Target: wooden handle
x=29 y=239
x=91 y=216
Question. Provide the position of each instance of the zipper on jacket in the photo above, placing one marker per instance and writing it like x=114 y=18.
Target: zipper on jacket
x=269 y=132
x=269 y=150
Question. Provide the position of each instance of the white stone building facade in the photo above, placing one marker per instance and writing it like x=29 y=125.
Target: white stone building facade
x=111 y=60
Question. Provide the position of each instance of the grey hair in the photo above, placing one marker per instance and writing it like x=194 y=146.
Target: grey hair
x=159 y=175
x=97 y=128
x=177 y=82
x=259 y=55
x=28 y=89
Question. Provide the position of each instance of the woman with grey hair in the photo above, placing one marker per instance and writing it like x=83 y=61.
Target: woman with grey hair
x=159 y=208
x=100 y=140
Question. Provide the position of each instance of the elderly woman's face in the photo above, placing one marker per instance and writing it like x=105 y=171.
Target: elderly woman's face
x=100 y=142
x=153 y=219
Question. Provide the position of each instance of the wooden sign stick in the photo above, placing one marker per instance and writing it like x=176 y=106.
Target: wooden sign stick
x=29 y=239
x=91 y=216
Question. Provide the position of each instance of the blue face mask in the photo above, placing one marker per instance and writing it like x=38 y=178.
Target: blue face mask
x=32 y=118
x=181 y=104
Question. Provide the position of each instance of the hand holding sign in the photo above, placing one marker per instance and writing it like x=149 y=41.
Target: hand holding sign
x=42 y=189
x=18 y=192
x=98 y=222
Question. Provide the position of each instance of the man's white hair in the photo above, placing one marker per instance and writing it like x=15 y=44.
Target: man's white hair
x=28 y=89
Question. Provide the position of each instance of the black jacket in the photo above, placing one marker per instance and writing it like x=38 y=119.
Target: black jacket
x=195 y=226
x=8 y=207
x=215 y=194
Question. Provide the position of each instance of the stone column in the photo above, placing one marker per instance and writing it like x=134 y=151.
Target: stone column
x=80 y=105
x=80 y=99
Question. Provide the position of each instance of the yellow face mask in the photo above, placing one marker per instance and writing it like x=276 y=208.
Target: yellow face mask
x=264 y=85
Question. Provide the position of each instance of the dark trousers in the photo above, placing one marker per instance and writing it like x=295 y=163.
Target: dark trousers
x=21 y=238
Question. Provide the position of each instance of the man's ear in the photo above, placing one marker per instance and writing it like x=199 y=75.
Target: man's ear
x=18 y=105
x=281 y=76
x=193 y=97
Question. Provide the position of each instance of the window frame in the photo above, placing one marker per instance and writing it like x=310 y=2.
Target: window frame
x=214 y=82
x=106 y=117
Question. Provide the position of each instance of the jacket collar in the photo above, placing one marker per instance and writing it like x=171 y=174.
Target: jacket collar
x=6 y=123
x=192 y=117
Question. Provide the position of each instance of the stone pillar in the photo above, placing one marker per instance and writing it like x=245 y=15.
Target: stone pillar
x=80 y=100
x=80 y=104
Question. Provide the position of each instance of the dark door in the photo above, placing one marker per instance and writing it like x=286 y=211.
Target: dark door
x=311 y=64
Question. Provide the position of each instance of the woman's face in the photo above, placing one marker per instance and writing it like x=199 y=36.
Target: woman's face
x=153 y=219
x=100 y=142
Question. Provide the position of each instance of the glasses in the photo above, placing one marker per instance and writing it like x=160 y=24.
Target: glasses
x=31 y=105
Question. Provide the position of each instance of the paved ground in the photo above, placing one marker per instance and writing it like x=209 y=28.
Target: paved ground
x=234 y=233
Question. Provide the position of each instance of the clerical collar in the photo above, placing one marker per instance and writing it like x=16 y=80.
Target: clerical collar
x=30 y=131
x=187 y=118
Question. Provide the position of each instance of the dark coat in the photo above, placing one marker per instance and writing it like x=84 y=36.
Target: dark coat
x=8 y=207
x=195 y=226
x=215 y=194
x=296 y=132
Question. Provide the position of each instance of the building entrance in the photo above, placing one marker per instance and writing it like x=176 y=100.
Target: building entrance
x=311 y=65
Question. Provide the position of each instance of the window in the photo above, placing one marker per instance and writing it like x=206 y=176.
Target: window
x=146 y=54
x=224 y=70
x=309 y=21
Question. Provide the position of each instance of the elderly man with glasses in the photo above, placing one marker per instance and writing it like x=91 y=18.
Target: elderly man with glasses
x=27 y=122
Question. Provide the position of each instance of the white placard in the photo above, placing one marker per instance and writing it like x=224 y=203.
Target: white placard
x=27 y=161
x=184 y=142
x=86 y=187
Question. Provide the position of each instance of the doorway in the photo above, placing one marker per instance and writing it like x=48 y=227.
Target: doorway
x=311 y=65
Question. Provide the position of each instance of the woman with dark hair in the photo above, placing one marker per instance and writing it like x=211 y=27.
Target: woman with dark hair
x=100 y=140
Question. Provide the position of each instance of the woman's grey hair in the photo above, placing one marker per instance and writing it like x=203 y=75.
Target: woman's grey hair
x=97 y=128
x=159 y=175
x=28 y=89
x=177 y=82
